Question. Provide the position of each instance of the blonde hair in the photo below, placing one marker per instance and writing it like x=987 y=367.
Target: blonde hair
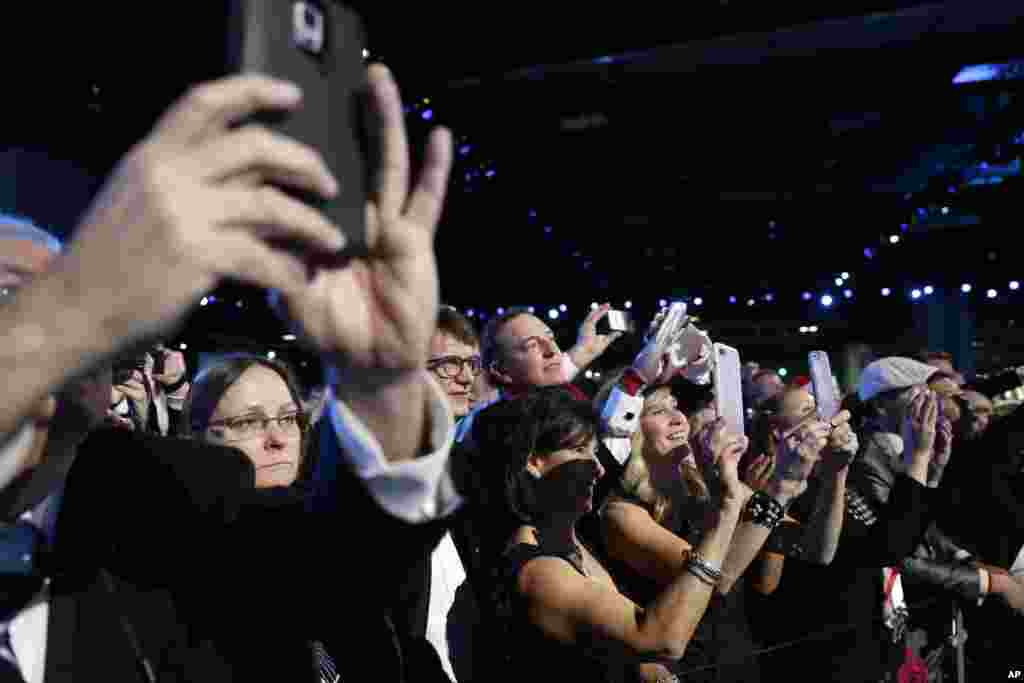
x=636 y=478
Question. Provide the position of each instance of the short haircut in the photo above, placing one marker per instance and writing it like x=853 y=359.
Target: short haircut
x=489 y=339
x=14 y=227
x=452 y=323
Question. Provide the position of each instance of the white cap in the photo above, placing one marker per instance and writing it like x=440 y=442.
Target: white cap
x=892 y=373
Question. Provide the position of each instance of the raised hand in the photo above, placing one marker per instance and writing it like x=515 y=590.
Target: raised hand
x=842 y=446
x=193 y=203
x=589 y=344
x=373 y=318
x=798 y=451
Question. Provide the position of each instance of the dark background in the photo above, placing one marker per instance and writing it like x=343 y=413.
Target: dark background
x=625 y=153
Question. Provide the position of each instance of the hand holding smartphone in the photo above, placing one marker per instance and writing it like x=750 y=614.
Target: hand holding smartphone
x=317 y=45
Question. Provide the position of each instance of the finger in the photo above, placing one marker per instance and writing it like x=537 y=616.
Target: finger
x=391 y=181
x=264 y=156
x=427 y=199
x=268 y=213
x=210 y=108
x=842 y=418
x=254 y=262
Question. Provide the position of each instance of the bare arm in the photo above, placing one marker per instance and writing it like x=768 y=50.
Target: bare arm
x=821 y=533
x=578 y=611
x=47 y=335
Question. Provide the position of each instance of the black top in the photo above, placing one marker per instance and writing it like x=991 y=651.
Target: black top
x=722 y=643
x=533 y=655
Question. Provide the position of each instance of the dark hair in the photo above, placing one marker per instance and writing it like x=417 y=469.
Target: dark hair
x=456 y=325
x=210 y=385
x=489 y=338
x=543 y=420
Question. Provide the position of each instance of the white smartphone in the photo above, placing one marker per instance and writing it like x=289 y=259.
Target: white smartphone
x=728 y=387
x=825 y=396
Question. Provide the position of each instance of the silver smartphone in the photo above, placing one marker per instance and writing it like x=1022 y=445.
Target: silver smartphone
x=825 y=396
x=728 y=387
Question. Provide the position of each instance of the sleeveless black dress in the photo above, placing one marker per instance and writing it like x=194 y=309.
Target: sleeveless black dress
x=531 y=655
x=720 y=649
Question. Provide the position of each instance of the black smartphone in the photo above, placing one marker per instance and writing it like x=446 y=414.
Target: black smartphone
x=616 y=321
x=318 y=45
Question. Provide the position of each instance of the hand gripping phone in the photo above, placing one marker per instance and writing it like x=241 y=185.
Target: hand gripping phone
x=825 y=397
x=616 y=321
x=728 y=387
x=318 y=45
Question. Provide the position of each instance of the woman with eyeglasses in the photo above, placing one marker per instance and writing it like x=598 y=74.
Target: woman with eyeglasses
x=254 y=405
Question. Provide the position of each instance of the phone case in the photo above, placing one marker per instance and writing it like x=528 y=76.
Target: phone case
x=318 y=45
x=824 y=388
x=728 y=387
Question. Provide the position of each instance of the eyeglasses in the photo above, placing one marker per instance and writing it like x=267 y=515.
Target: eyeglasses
x=250 y=426
x=451 y=366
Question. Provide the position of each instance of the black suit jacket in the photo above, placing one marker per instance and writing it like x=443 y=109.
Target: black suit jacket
x=166 y=543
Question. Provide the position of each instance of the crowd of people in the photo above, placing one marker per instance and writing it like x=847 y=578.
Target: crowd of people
x=450 y=505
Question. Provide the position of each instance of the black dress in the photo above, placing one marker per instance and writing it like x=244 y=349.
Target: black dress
x=722 y=645
x=530 y=654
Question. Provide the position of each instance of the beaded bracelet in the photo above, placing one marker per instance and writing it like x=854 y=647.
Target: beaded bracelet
x=763 y=510
x=702 y=569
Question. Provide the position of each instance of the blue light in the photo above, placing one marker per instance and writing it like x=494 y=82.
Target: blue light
x=945 y=210
x=698 y=301
x=992 y=294
x=530 y=309
x=904 y=227
x=1014 y=285
x=213 y=299
x=427 y=114
x=978 y=73
x=827 y=300
x=465 y=149
x=783 y=372
x=965 y=288
x=629 y=304
x=563 y=308
x=848 y=293
x=732 y=299
x=547 y=229
x=845 y=275
x=869 y=253
x=886 y=291
x=553 y=314
x=807 y=296
x=471 y=313
x=915 y=294
x=929 y=290
x=769 y=297
x=501 y=311
x=750 y=302
x=533 y=213
x=490 y=173
x=662 y=303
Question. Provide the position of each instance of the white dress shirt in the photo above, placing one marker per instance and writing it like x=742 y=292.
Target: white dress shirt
x=417 y=491
x=446 y=575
